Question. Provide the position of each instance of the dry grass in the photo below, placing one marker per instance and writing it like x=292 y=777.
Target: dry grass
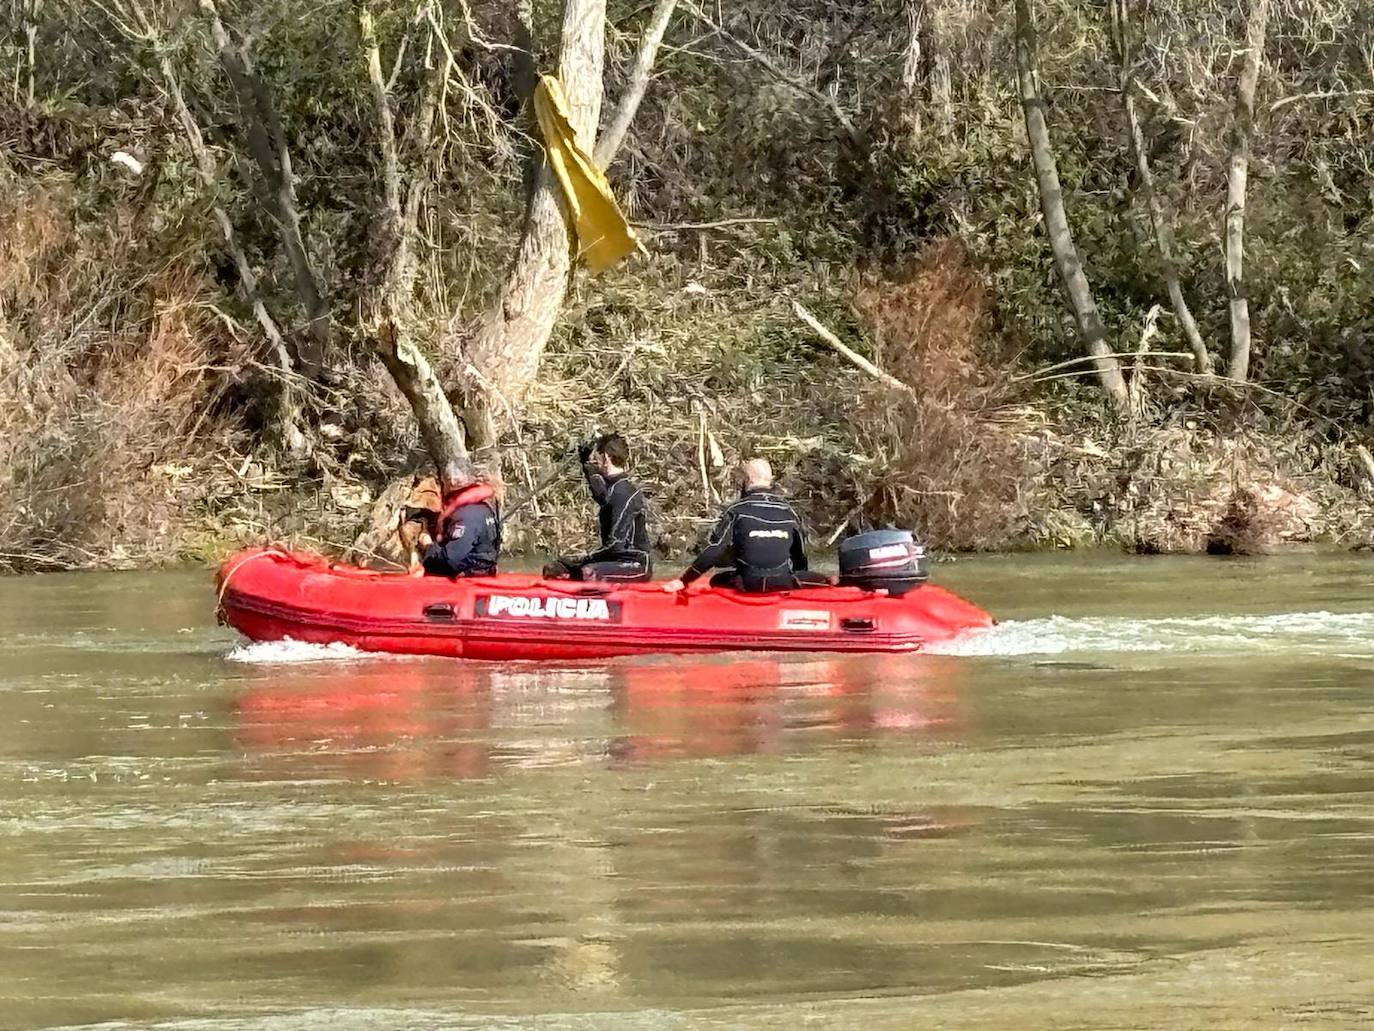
x=950 y=461
x=106 y=372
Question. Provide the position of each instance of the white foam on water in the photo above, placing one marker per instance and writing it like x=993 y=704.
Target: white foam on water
x=1320 y=633
x=287 y=650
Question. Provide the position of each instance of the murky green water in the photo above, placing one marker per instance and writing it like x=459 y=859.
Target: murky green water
x=1146 y=800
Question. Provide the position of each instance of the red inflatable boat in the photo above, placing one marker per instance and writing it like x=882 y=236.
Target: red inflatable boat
x=268 y=594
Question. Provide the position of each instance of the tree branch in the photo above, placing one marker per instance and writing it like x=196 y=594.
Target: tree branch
x=1120 y=30
x=609 y=144
x=208 y=171
x=779 y=73
x=267 y=146
x=858 y=360
x=390 y=332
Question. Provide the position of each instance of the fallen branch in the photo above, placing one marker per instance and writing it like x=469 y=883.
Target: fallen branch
x=1280 y=104
x=539 y=489
x=666 y=227
x=1036 y=376
x=854 y=357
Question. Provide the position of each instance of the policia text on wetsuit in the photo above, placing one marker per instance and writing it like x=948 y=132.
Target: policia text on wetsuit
x=761 y=534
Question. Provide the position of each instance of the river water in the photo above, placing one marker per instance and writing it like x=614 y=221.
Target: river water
x=1146 y=799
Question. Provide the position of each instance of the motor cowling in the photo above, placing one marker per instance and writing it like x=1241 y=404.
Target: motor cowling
x=889 y=560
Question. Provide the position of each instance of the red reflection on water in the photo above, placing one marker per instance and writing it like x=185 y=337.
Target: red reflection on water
x=901 y=693
x=400 y=721
x=696 y=707
x=710 y=707
x=411 y=720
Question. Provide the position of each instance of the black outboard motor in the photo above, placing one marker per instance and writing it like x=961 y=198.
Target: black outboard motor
x=883 y=559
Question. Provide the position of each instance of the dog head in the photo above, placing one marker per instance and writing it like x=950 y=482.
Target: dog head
x=425 y=493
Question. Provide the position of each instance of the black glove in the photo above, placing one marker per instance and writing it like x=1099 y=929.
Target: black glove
x=584 y=451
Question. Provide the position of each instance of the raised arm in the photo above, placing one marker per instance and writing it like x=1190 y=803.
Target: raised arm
x=596 y=483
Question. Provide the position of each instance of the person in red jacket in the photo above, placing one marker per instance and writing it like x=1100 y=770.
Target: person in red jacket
x=469 y=527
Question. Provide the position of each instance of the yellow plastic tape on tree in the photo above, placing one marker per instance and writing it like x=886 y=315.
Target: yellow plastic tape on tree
x=603 y=235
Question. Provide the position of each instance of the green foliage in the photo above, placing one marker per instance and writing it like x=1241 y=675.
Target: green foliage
x=701 y=329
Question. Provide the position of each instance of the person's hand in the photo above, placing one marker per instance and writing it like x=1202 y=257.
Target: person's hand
x=425 y=540
x=674 y=586
x=584 y=451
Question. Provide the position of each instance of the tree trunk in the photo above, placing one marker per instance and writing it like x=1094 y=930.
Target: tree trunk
x=391 y=311
x=912 y=61
x=1257 y=18
x=609 y=144
x=941 y=86
x=1159 y=220
x=504 y=356
x=289 y=418
x=31 y=47
x=1066 y=260
x=440 y=429
x=267 y=147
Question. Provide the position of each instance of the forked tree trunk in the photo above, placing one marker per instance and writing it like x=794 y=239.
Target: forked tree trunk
x=1242 y=128
x=1066 y=260
x=504 y=356
x=1159 y=220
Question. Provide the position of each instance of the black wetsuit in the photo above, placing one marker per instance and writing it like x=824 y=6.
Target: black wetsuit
x=762 y=536
x=468 y=543
x=624 y=551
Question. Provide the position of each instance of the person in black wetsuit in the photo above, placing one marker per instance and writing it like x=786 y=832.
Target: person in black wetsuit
x=760 y=534
x=624 y=553
x=469 y=526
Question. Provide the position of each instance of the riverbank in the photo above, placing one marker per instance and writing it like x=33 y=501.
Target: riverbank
x=1025 y=482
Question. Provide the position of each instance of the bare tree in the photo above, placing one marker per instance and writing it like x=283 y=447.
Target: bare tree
x=505 y=353
x=1242 y=129
x=1066 y=260
x=135 y=23
x=391 y=320
x=1159 y=220
x=275 y=184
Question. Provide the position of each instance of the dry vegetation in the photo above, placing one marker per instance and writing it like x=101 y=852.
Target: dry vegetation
x=875 y=168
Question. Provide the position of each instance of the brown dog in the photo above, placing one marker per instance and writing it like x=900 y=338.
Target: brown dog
x=418 y=516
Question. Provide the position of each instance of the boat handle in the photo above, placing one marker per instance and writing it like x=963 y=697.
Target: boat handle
x=441 y=612
x=859 y=625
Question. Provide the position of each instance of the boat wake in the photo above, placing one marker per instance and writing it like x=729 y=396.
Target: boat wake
x=1310 y=633
x=289 y=651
